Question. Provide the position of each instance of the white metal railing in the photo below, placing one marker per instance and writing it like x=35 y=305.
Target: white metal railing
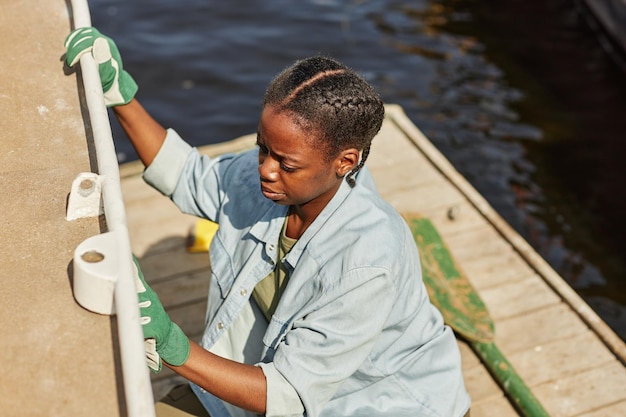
x=137 y=387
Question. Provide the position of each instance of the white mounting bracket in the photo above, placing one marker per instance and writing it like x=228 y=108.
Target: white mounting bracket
x=95 y=270
x=85 y=197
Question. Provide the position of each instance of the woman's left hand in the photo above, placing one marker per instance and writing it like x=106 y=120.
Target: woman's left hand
x=163 y=338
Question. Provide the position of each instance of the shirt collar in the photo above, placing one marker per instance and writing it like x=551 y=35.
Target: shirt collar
x=267 y=228
x=327 y=212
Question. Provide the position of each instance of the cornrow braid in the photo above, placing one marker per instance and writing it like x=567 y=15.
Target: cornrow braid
x=349 y=179
x=331 y=100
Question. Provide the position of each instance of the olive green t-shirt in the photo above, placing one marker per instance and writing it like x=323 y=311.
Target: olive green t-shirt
x=268 y=291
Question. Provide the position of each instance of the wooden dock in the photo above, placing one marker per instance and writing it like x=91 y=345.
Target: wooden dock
x=571 y=360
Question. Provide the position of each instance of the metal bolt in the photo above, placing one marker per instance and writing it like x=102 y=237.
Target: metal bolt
x=92 y=257
x=87 y=187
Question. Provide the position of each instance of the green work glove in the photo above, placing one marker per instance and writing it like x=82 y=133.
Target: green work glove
x=117 y=85
x=163 y=338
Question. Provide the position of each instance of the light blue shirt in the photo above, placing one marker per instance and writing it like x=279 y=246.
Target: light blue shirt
x=354 y=333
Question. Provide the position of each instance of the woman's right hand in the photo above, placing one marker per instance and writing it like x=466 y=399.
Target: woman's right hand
x=117 y=85
x=119 y=89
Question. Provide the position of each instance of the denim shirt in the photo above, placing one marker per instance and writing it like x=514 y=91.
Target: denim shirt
x=354 y=333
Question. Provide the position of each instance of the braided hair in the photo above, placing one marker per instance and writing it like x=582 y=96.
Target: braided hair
x=332 y=100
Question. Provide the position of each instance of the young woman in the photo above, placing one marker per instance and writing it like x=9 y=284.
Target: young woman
x=316 y=304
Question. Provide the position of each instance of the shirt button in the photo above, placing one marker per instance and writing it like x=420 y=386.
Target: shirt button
x=271 y=248
x=243 y=292
x=220 y=325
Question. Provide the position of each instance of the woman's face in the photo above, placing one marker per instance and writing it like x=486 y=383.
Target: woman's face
x=292 y=169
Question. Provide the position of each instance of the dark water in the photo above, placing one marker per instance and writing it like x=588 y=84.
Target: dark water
x=518 y=95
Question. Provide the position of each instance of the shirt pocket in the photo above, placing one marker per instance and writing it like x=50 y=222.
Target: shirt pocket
x=275 y=334
x=221 y=267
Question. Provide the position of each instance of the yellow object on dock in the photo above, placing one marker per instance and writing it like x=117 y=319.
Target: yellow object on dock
x=200 y=236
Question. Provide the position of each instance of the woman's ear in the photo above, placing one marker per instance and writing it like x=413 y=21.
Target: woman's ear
x=347 y=160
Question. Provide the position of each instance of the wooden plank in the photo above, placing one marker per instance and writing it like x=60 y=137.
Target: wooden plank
x=612 y=410
x=405 y=168
x=405 y=175
x=390 y=149
x=153 y=220
x=536 y=328
x=190 y=317
x=457 y=219
x=159 y=266
x=184 y=288
x=584 y=392
x=429 y=197
x=480 y=385
x=497 y=268
x=561 y=358
x=476 y=244
x=162 y=386
x=468 y=357
x=512 y=299
x=492 y=407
